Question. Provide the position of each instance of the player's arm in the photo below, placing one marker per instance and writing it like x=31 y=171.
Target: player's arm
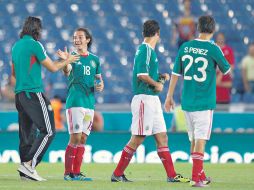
x=147 y=79
x=67 y=69
x=99 y=83
x=244 y=76
x=42 y=57
x=142 y=60
x=169 y=102
x=13 y=71
x=220 y=83
x=223 y=64
x=177 y=71
x=59 y=64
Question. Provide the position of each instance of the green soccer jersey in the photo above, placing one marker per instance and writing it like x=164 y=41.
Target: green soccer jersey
x=197 y=61
x=27 y=54
x=81 y=82
x=145 y=63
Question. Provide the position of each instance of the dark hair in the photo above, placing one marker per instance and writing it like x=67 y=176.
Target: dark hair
x=88 y=35
x=32 y=27
x=206 y=24
x=150 y=28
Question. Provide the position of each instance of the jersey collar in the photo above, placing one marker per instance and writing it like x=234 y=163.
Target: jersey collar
x=27 y=37
x=147 y=44
x=202 y=40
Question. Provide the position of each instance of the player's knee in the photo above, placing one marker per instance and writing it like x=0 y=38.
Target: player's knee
x=75 y=139
x=83 y=139
x=163 y=140
x=135 y=142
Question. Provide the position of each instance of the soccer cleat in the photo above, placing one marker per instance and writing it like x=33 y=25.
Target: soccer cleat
x=121 y=178
x=178 y=178
x=207 y=181
x=197 y=184
x=25 y=177
x=68 y=177
x=81 y=177
x=26 y=169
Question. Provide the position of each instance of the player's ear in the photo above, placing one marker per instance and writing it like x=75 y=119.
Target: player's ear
x=88 y=40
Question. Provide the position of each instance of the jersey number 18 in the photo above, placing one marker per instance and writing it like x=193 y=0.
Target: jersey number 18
x=86 y=70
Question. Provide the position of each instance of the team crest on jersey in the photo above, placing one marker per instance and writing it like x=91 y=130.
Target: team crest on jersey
x=93 y=64
x=77 y=126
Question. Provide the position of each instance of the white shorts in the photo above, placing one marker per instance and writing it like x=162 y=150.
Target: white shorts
x=199 y=124
x=79 y=120
x=147 y=115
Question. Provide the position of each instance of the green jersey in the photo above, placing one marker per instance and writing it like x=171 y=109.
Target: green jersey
x=81 y=82
x=27 y=54
x=145 y=63
x=197 y=61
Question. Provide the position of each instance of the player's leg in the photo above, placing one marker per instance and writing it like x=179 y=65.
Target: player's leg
x=141 y=126
x=38 y=108
x=164 y=154
x=87 y=116
x=202 y=121
x=161 y=138
x=126 y=156
x=75 y=123
x=26 y=136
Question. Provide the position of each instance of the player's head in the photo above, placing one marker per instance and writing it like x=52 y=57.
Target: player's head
x=251 y=49
x=82 y=38
x=32 y=27
x=206 y=24
x=151 y=28
x=220 y=39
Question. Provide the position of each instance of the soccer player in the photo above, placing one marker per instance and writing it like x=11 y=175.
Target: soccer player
x=197 y=61
x=147 y=116
x=34 y=109
x=84 y=77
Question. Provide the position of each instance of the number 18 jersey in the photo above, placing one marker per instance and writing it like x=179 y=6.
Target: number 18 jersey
x=197 y=61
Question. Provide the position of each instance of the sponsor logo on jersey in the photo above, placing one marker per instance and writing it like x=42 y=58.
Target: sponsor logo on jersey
x=79 y=63
x=77 y=126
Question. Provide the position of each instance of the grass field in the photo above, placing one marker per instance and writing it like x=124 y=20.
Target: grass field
x=146 y=177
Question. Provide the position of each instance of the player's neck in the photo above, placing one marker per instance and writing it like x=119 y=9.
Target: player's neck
x=83 y=52
x=204 y=36
x=151 y=41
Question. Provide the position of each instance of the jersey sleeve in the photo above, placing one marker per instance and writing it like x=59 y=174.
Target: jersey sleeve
x=221 y=61
x=178 y=66
x=98 y=67
x=39 y=51
x=142 y=60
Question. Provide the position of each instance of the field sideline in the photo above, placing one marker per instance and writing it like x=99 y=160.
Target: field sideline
x=146 y=177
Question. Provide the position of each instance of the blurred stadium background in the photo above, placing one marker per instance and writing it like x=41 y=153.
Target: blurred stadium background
x=116 y=27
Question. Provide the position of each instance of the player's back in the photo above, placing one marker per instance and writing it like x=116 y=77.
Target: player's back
x=197 y=61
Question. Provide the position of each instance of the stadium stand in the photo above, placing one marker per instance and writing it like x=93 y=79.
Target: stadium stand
x=117 y=33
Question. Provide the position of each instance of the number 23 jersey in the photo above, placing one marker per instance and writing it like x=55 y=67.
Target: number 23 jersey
x=197 y=61
x=81 y=82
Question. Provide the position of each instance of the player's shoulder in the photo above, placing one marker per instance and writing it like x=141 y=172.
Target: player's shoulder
x=216 y=47
x=93 y=56
x=36 y=44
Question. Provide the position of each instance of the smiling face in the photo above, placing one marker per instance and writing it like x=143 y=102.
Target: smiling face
x=80 y=41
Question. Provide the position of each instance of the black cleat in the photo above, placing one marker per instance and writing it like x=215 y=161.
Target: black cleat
x=121 y=178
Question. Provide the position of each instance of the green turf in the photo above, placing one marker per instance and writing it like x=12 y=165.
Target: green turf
x=146 y=177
